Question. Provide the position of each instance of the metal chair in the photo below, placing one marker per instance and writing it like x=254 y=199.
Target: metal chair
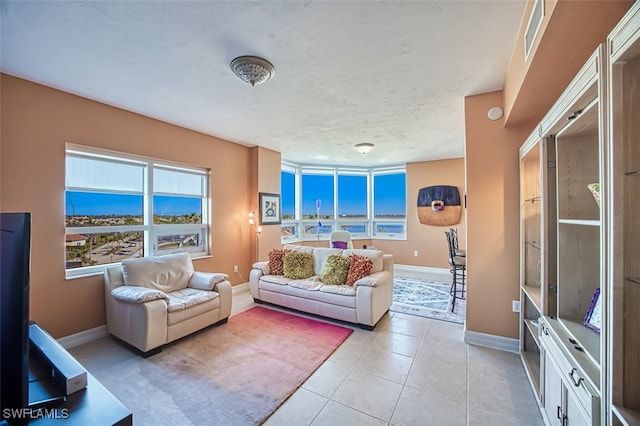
x=460 y=253
x=458 y=269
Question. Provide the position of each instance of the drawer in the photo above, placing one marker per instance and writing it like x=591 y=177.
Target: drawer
x=572 y=376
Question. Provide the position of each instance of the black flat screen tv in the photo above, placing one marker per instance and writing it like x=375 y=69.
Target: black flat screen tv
x=15 y=244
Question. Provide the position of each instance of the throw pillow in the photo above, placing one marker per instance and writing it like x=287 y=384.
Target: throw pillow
x=335 y=270
x=359 y=267
x=298 y=265
x=339 y=245
x=276 y=261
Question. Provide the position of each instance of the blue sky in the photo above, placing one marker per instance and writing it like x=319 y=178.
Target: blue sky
x=95 y=204
x=389 y=193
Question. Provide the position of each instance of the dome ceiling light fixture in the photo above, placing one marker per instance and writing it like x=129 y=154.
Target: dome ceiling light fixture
x=252 y=69
x=364 y=148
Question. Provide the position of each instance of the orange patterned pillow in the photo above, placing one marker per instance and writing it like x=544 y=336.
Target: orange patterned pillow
x=276 y=261
x=359 y=267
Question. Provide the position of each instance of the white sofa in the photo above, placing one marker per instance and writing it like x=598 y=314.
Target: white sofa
x=152 y=301
x=363 y=303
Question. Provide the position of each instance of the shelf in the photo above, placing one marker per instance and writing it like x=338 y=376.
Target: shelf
x=531 y=362
x=584 y=222
x=625 y=416
x=586 y=337
x=533 y=293
x=533 y=329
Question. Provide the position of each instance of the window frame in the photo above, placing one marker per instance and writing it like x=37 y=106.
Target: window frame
x=369 y=222
x=150 y=230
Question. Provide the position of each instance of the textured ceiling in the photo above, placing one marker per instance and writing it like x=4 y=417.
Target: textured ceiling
x=393 y=73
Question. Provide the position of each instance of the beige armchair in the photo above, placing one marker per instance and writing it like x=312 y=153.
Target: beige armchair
x=155 y=300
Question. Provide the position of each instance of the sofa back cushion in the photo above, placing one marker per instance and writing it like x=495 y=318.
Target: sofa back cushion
x=374 y=255
x=298 y=265
x=320 y=256
x=166 y=273
x=335 y=270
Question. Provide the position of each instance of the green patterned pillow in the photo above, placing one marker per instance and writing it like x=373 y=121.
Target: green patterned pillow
x=298 y=265
x=335 y=270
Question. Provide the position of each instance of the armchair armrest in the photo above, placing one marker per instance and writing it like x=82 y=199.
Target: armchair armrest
x=206 y=280
x=263 y=266
x=133 y=294
x=376 y=279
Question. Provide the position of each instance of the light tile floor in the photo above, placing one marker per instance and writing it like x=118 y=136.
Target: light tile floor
x=410 y=371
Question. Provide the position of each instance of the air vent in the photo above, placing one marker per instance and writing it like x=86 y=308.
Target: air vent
x=535 y=21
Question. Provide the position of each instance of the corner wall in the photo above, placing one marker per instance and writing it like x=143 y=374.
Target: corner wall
x=37 y=121
x=491 y=159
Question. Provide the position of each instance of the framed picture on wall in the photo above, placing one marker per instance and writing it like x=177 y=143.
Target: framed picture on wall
x=269 y=209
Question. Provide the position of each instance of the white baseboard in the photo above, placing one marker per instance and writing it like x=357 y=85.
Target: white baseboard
x=240 y=288
x=422 y=269
x=492 y=341
x=82 y=337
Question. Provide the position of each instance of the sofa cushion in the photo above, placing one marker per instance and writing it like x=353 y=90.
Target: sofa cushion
x=335 y=270
x=320 y=256
x=188 y=297
x=376 y=257
x=166 y=273
x=359 y=267
x=343 y=290
x=276 y=261
x=275 y=279
x=298 y=265
x=311 y=284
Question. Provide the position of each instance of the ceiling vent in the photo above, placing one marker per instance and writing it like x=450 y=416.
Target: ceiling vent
x=533 y=27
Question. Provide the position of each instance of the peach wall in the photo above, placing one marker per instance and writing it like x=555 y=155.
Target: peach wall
x=491 y=155
x=268 y=172
x=428 y=241
x=36 y=123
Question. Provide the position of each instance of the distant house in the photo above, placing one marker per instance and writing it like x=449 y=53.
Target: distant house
x=75 y=240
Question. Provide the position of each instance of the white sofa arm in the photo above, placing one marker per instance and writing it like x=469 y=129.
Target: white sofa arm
x=376 y=279
x=225 y=291
x=263 y=266
x=206 y=280
x=133 y=294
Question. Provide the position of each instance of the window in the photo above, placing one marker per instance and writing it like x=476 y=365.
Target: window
x=389 y=204
x=318 y=200
x=120 y=207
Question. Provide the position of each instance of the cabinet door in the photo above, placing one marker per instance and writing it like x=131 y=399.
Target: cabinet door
x=553 y=390
x=575 y=413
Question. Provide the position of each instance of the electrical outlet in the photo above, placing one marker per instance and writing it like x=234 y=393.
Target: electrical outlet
x=515 y=305
x=415 y=253
x=235 y=268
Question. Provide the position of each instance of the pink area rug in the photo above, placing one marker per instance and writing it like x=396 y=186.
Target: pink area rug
x=234 y=374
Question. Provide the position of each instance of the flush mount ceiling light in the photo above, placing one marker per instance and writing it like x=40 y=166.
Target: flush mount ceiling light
x=252 y=69
x=495 y=113
x=363 y=148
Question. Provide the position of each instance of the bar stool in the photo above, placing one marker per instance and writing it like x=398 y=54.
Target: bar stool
x=458 y=269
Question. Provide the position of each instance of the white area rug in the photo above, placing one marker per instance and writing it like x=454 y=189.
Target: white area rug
x=426 y=298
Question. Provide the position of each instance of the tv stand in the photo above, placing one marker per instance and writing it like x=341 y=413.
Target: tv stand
x=53 y=394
